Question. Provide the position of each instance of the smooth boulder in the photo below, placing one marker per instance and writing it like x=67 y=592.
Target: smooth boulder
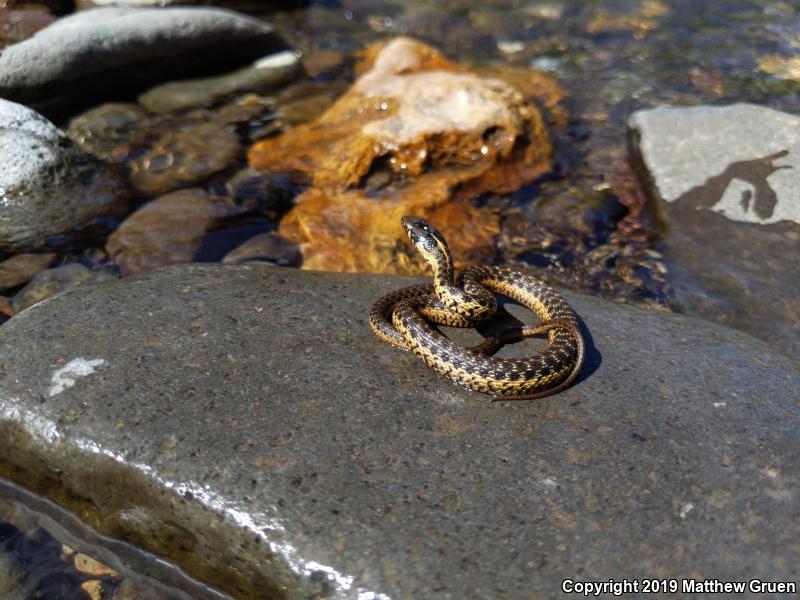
x=244 y=422
x=103 y=50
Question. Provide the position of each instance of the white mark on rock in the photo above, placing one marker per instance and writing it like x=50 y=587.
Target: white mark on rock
x=719 y=404
x=549 y=483
x=685 y=510
x=66 y=376
x=274 y=61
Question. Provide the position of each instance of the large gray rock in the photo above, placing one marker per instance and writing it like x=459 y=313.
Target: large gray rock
x=99 y=50
x=245 y=423
x=727 y=180
x=48 y=186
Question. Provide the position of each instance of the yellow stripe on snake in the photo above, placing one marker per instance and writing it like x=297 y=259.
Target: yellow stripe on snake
x=403 y=318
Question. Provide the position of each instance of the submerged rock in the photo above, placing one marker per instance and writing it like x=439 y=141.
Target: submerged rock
x=727 y=179
x=166 y=231
x=264 y=75
x=18 y=22
x=49 y=186
x=21 y=268
x=245 y=423
x=103 y=50
x=266 y=247
x=415 y=134
x=54 y=281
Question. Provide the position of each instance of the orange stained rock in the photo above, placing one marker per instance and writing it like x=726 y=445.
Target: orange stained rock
x=414 y=135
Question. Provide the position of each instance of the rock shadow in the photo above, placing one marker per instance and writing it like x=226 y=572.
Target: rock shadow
x=755 y=172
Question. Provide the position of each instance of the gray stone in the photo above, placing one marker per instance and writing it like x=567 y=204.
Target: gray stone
x=742 y=160
x=727 y=180
x=54 y=281
x=107 y=47
x=245 y=422
x=48 y=186
x=264 y=75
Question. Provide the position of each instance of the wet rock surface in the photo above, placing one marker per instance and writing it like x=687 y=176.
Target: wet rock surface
x=415 y=134
x=245 y=423
x=49 y=186
x=106 y=48
x=727 y=180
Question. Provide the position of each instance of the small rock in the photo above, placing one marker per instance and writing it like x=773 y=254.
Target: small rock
x=18 y=22
x=108 y=49
x=100 y=130
x=264 y=75
x=6 y=309
x=166 y=231
x=54 y=281
x=21 y=268
x=783 y=67
x=89 y=566
x=319 y=62
x=93 y=589
x=266 y=247
x=48 y=186
x=185 y=155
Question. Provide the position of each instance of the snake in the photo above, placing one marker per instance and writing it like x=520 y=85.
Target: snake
x=408 y=318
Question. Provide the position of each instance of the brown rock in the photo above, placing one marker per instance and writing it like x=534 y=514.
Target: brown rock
x=21 y=21
x=21 y=268
x=414 y=134
x=190 y=153
x=6 y=310
x=166 y=231
x=50 y=282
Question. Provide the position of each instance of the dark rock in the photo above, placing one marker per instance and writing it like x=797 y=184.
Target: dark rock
x=727 y=181
x=21 y=268
x=22 y=21
x=54 y=281
x=48 y=186
x=245 y=423
x=107 y=50
x=264 y=75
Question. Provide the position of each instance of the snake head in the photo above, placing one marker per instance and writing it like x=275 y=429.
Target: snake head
x=425 y=237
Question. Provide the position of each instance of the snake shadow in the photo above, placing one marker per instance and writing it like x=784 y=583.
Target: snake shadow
x=504 y=321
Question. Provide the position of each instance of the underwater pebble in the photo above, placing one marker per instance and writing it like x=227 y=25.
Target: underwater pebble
x=54 y=281
x=21 y=268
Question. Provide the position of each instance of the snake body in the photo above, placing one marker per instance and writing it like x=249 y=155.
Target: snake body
x=403 y=318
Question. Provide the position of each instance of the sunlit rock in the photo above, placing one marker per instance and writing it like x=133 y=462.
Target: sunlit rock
x=48 y=186
x=415 y=134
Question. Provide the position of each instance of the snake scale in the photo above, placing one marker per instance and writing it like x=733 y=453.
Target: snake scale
x=405 y=318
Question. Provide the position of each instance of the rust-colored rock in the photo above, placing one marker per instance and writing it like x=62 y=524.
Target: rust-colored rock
x=414 y=134
x=166 y=231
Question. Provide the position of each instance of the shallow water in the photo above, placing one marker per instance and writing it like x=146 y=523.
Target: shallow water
x=580 y=225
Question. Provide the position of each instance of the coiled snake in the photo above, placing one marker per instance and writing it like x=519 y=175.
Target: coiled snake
x=401 y=318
